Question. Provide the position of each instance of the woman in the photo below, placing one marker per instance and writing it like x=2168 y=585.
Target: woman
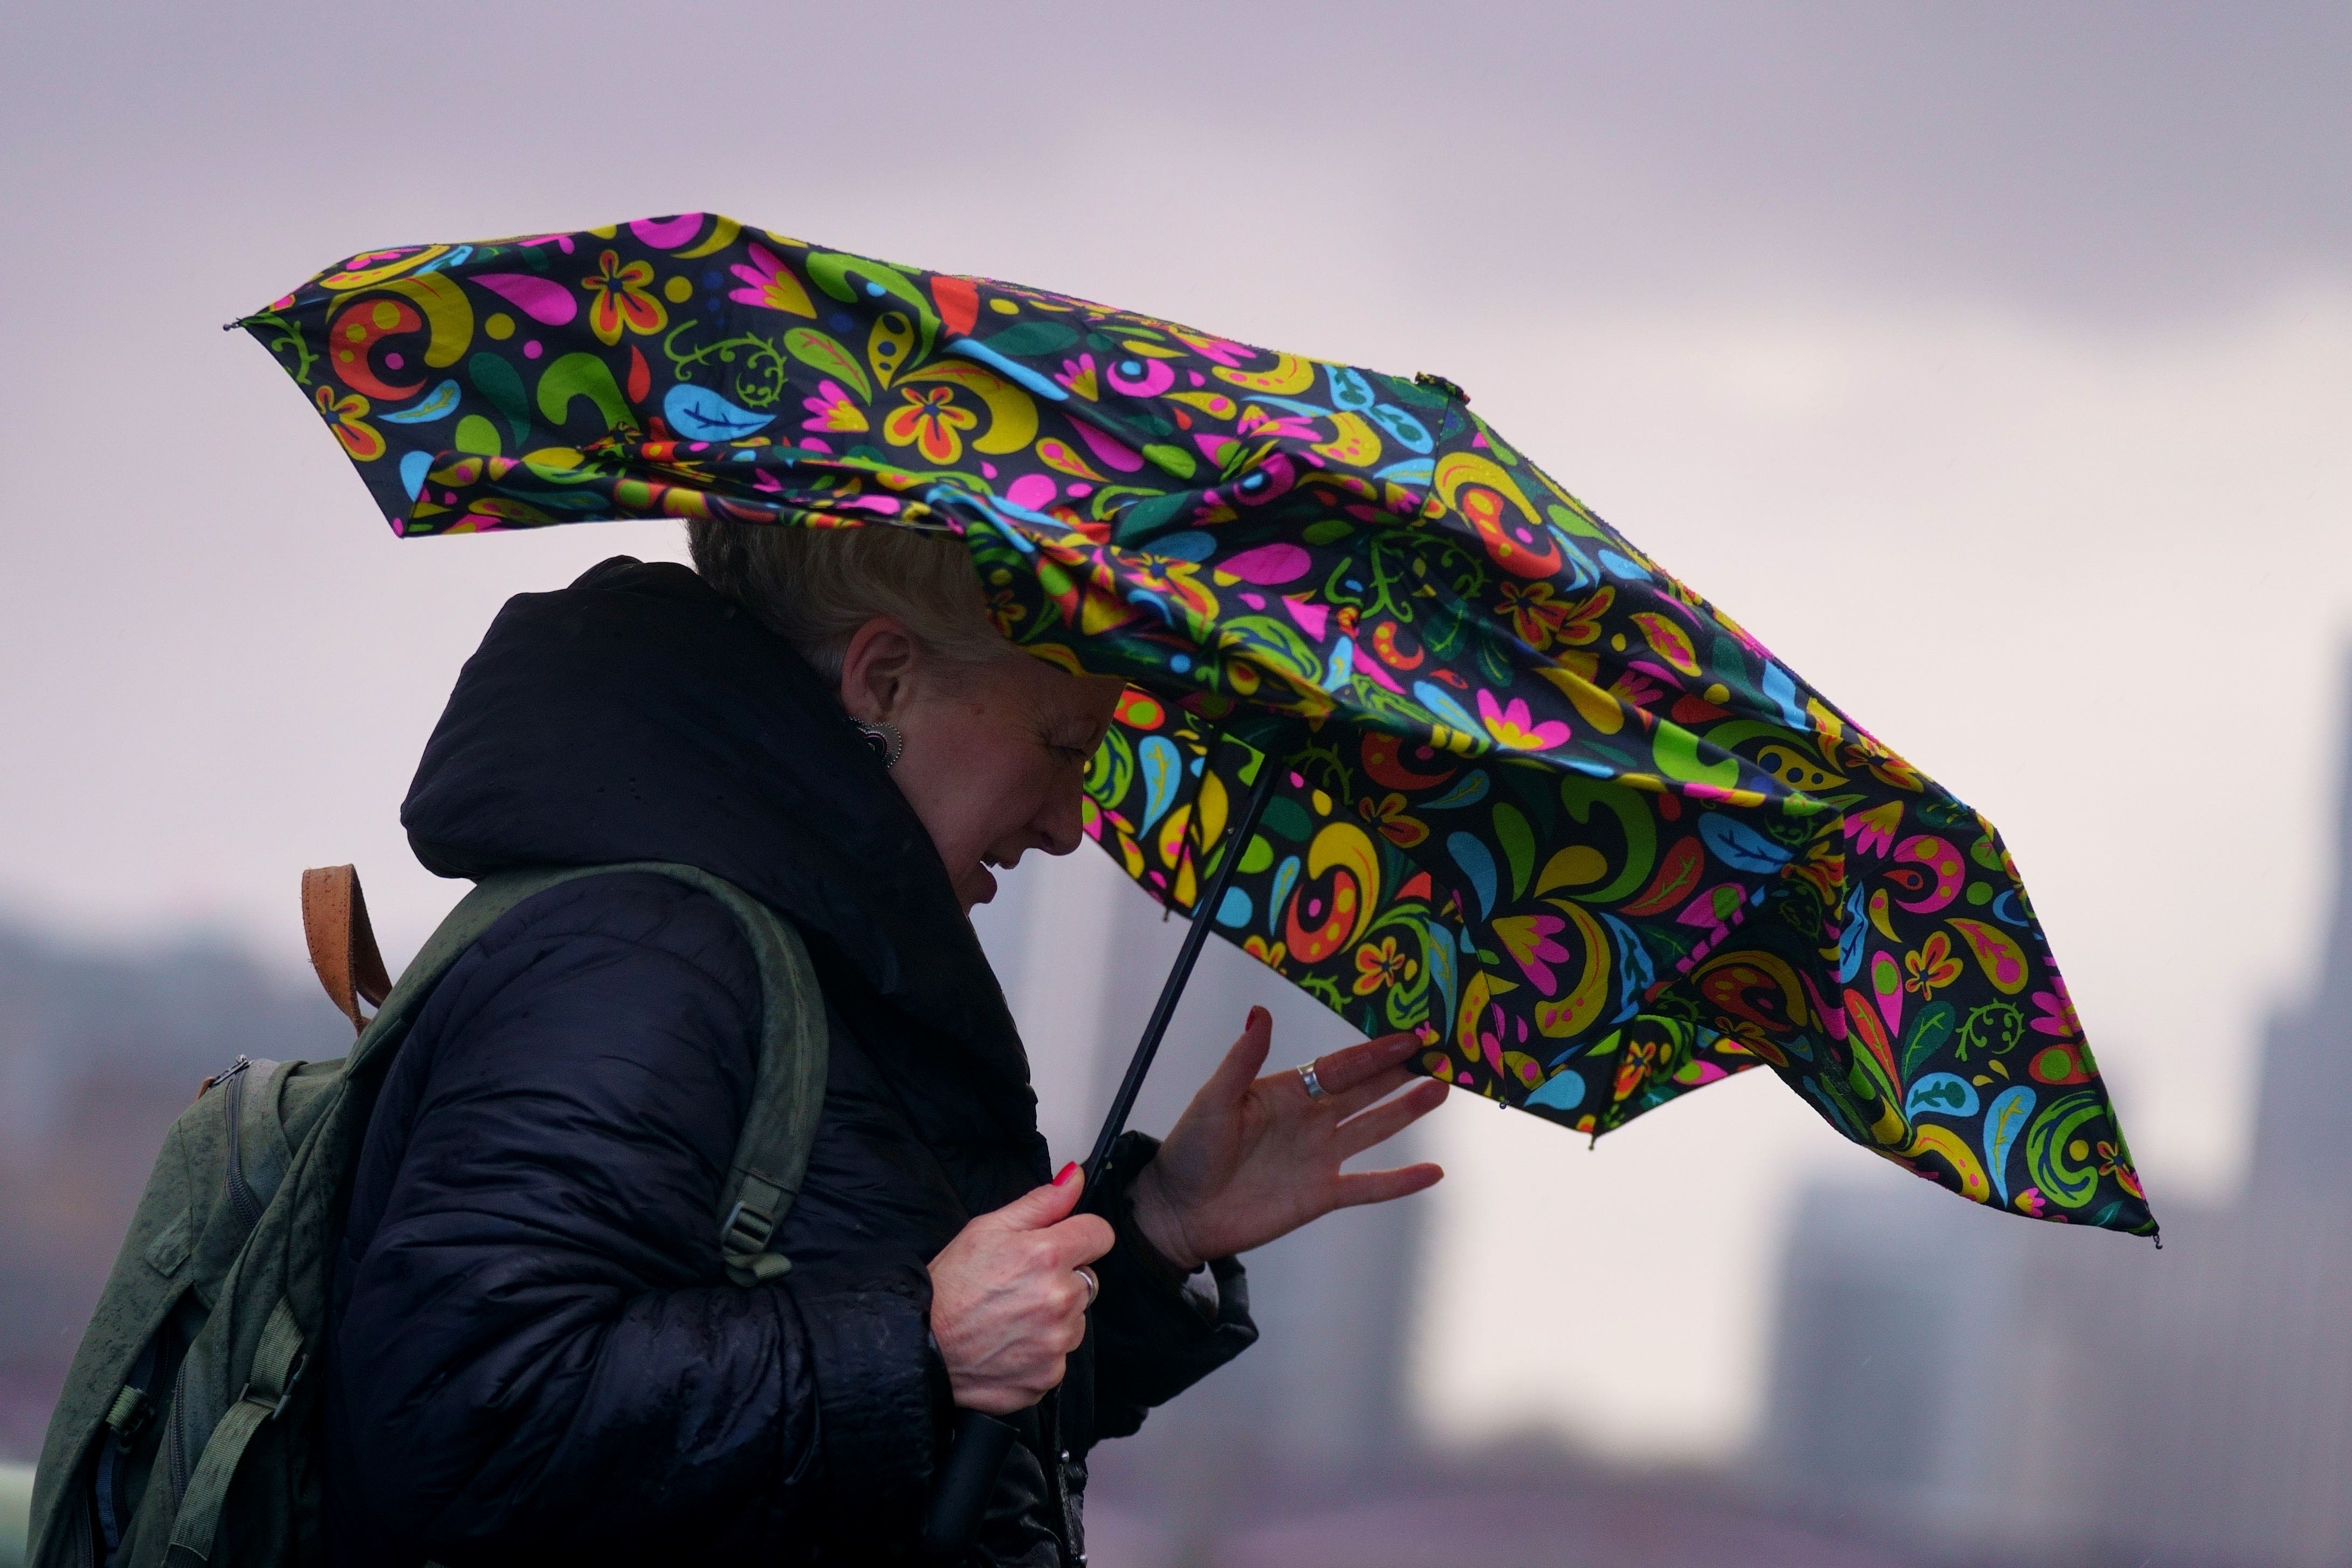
x=533 y=1351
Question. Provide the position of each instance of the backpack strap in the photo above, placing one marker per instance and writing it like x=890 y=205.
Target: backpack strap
x=772 y=1153
x=276 y=1367
x=343 y=942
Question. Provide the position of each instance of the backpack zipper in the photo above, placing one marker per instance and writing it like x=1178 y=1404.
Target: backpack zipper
x=243 y=1201
x=246 y=1205
x=175 y=1444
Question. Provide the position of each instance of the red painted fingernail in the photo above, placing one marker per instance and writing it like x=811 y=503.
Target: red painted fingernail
x=1258 y=1013
x=1065 y=1173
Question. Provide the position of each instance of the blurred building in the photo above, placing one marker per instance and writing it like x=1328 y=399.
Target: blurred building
x=2023 y=1392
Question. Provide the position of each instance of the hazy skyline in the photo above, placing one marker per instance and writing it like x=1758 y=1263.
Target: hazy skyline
x=1993 y=365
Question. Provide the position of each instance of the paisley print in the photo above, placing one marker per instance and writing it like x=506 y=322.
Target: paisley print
x=1557 y=814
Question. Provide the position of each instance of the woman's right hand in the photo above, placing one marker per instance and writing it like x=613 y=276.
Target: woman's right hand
x=1008 y=1305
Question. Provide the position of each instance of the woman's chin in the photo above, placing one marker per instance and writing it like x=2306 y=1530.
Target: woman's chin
x=979 y=888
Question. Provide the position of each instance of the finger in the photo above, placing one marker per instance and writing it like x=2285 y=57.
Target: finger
x=1379 y=1186
x=1342 y=1070
x=1240 y=1068
x=1081 y=1238
x=1043 y=1206
x=1385 y=1120
x=1372 y=1090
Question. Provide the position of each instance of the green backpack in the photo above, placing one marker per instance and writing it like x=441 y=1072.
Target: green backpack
x=187 y=1431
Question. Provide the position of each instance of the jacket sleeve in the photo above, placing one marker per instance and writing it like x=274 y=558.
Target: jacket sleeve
x=1154 y=1337
x=540 y=1353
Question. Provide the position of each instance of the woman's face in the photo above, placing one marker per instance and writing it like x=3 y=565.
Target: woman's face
x=995 y=754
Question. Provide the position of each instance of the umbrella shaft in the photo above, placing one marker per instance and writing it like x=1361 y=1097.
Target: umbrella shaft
x=1204 y=910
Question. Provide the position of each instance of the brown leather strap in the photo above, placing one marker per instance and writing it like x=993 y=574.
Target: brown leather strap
x=342 y=943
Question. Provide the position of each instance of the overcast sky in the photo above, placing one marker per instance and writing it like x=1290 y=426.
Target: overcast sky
x=1992 y=363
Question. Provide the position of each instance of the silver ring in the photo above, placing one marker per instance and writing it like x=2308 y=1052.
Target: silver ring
x=1094 y=1286
x=1314 y=1089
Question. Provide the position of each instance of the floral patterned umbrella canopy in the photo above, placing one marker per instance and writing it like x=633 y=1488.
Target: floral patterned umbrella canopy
x=1558 y=814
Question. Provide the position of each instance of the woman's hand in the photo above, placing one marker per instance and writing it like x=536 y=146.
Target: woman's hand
x=1255 y=1158
x=1008 y=1304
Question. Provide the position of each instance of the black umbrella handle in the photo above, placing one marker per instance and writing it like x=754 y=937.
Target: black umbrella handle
x=960 y=1494
x=1204 y=914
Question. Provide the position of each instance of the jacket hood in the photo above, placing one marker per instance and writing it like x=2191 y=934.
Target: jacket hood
x=640 y=715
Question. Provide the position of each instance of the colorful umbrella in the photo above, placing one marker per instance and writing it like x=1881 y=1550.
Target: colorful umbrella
x=1552 y=810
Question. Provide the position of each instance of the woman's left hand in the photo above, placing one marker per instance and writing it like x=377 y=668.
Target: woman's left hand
x=1255 y=1158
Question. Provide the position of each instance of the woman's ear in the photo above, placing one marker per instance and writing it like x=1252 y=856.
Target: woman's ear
x=878 y=670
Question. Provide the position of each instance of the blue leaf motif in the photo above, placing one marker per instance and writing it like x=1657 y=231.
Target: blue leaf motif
x=1468 y=790
x=1780 y=691
x=1348 y=387
x=1163 y=765
x=1738 y=846
x=1941 y=1094
x=1636 y=970
x=1851 y=940
x=439 y=404
x=1285 y=876
x=1449 y=713
x=699 y=414
x=413 y=467
x=2002 y=1124
x=1582 y=573
x=1564 y=1090
x=1410 y=433
x=1477 y=863
x=1343 y=664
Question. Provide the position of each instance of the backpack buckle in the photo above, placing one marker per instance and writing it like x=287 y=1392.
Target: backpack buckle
x=129 y=1414
x=275 y=1401
x=746 y=1232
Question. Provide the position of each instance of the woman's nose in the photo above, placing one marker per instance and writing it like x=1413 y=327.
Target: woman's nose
x=1062 y=824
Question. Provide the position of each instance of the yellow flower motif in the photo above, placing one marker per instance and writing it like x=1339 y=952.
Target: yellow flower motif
x=622 y=299
x=1580 y=623
x=1379 y=964
x=1391 y=821
x=1006 y=608
x=1535 y=614
x=359 y=438
x=929 y=423
x=1271 y=954
x=1932 y=967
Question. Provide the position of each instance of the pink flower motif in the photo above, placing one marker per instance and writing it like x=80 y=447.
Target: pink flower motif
x=2057 y=1011
x=1528 y=939
x=1515 y=727
x=1078 y=375
x=1490 y=1039
x=1636 y=688
x=1257 y=421
x=832 y=410
x=767 y=284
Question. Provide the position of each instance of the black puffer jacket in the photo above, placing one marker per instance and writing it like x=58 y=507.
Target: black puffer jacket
x=533 y=1352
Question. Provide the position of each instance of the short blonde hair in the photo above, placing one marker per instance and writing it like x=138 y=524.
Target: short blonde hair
x=815 y=586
